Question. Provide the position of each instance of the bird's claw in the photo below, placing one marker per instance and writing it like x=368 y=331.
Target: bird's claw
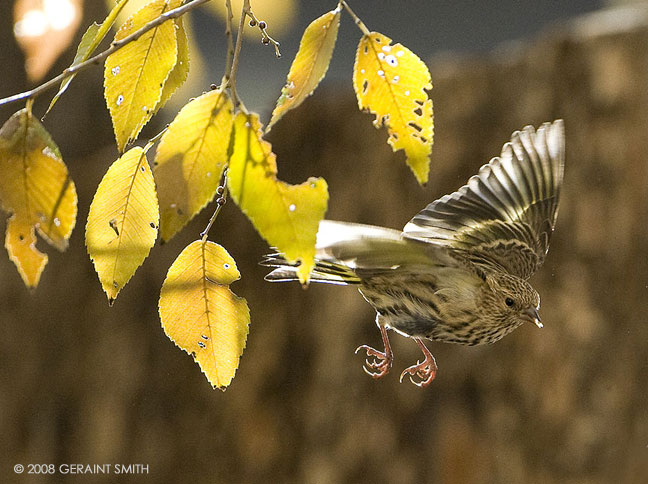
x=425 y=371
x=381 y=362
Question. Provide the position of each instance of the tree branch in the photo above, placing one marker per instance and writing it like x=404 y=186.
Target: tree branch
x=115 y=46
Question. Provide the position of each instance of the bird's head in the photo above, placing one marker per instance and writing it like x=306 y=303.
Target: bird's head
x=511 y=300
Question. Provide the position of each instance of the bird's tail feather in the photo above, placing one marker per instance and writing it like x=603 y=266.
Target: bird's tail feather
x=325 y=272
x=346 y=252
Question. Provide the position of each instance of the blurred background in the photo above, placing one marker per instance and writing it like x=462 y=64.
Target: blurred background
x=84 y=383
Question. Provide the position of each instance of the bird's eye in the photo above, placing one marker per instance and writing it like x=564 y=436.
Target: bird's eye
x=509 y=302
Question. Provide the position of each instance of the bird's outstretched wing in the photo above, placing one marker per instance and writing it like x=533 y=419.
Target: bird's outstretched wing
x=506 y=213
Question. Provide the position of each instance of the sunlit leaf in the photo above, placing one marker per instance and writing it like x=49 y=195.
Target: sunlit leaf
x=286 y=216
x=89 y=42
x=190 y=159
x=36 y=189
x=178 y=74
x=310 y=64
x=201 y=314
x=135 y=75
x=196 y=77
x=392 y=82
x=44 y=30
x=123 y=221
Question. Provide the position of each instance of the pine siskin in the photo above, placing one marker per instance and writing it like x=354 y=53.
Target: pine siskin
x=458 y=271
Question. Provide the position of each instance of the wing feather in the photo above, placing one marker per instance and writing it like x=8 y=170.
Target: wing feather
x=506 y=213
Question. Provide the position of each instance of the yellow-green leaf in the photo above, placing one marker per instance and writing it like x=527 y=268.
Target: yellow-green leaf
x=135 y=75
x=201 y=314
x=190 y=159
x=286 y=216
x=123 y=221
x=36 y=189
x=89 y=42
x=310 y=64
x=391 y=82
x=178 y=74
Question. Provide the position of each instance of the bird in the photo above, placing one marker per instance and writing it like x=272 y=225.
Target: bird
x=458 y=271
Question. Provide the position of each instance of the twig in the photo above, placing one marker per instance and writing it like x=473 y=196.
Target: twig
x=265 y=38
x=237 y=52
x=356 y=19
x=221 y=191
x=115 y=46
x=230 y=43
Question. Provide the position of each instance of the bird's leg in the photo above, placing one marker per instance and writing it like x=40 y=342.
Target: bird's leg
x=382 y=361
x=426 y=370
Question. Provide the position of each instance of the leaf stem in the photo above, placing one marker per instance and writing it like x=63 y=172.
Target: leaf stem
x=221 y=191
x=356 y=19
x=155 y=138
x=114 y=46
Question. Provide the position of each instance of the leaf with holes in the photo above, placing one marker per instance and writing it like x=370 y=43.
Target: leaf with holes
x=36 y=189
x=191 y=158
x=310 y=64
x=123 y=221
x=201 y=314
x=135 y=75
x=89 y=42
x=287 y=216
x=392 y=82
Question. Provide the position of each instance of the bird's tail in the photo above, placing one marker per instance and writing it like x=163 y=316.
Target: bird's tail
x=345 y=253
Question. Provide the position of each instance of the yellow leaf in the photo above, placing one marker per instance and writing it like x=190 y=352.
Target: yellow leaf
x=286 y=216
x=178 y=74
x=310 y=64
x=190 y=159
x=135 y=75
x=200 y=313
x=36 y=189
x=123 y=221
x=391 y=82
x=89 y=42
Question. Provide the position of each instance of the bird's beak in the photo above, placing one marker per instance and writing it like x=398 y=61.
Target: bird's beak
x=534 y=317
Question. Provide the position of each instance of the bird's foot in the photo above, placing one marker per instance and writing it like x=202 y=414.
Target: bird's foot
x=424 y=371
x=379 y=364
